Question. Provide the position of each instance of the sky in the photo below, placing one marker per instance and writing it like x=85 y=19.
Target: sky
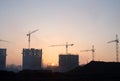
x=80 y=22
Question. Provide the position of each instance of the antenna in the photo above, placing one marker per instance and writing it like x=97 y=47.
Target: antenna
x=29 y=34
x=117 y=47
x=66 y=45
x=93 y=51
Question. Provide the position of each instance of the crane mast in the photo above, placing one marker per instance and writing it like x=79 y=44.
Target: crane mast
x=67 y=47
x=92 y=50
x=29 y=34
x=117 y=47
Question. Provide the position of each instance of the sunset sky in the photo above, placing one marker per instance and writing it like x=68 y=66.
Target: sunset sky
x=81 y=22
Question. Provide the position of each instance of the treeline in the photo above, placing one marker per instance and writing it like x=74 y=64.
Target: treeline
x=32 y=75
x=93 y=71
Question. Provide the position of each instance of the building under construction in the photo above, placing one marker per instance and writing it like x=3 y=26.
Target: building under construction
x=2 y=59
x=32 y=59
x=68 y=62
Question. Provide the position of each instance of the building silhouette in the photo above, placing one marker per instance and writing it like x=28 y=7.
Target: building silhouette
x=68 y=62
x=2 y=59
x=32 y=59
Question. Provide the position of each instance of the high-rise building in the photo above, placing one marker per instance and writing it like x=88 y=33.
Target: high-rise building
x=2 y=59
x=32 y=59
x=68 y=62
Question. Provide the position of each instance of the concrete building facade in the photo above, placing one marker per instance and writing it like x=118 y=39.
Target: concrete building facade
x=68 y=62
x=32 y=59
x=2 y=59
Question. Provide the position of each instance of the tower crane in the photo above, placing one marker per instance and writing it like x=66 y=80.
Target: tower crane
x=117 y=47
x=93 y=51
x=66 y=45
x=29 y=34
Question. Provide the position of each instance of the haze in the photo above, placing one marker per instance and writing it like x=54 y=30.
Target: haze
x=81 y=22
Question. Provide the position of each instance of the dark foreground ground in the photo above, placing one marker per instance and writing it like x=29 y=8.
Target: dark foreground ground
x=93 y=71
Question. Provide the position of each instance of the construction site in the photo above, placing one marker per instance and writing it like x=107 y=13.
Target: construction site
x=69 y=64
x=32 y=58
